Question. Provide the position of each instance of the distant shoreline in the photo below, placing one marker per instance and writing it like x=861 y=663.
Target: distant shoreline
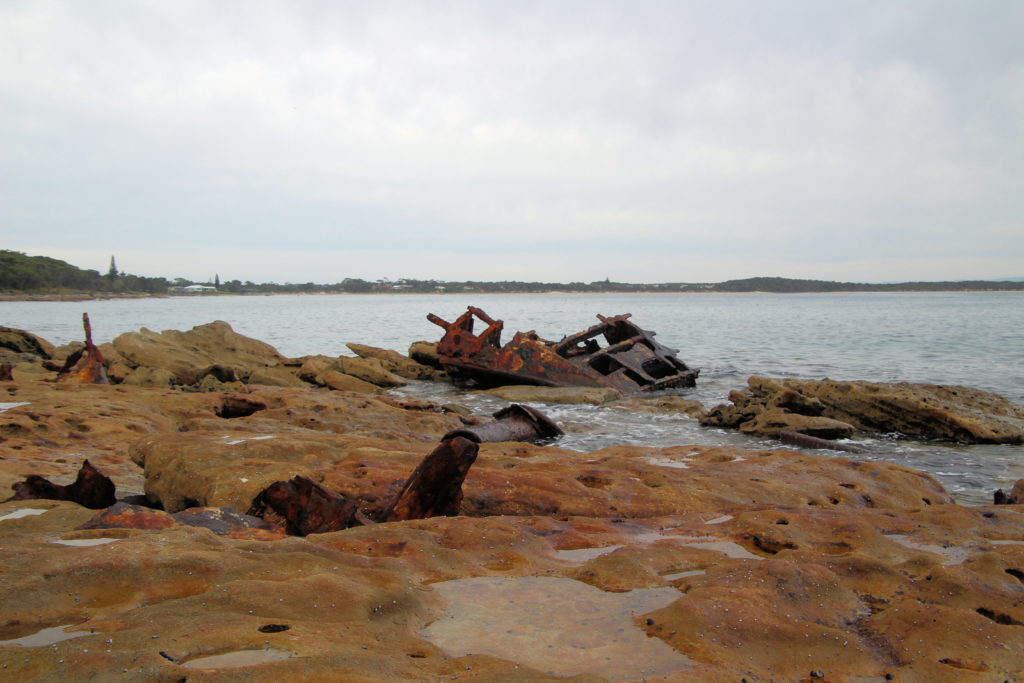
x=70 y=297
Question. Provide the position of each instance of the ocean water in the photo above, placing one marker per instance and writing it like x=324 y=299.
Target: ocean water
x=974 y=339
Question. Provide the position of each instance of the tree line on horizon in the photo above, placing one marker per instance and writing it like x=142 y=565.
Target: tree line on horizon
x=22 y=274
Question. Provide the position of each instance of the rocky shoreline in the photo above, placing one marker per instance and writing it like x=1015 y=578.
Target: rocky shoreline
x=627 y=563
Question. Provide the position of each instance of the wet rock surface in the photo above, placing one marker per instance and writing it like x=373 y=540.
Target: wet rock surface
x=832 y=410
x=693 y=563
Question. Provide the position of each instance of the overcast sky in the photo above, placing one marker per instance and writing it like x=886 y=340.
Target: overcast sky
x=553 y=141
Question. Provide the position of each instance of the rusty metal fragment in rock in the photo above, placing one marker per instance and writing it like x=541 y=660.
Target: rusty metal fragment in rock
x=614 y=353
x=514 y=423
x=85 y=366
x=303 y=507
x=435 y=488
x=91 y=489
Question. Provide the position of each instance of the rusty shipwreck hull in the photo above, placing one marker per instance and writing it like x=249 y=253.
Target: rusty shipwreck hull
x=614 y=353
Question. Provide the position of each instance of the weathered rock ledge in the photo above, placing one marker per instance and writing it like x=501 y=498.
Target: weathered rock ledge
x=830 y=409
x=692 y=563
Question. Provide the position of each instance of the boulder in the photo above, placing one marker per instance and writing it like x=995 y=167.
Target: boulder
x=149 y=377
x=775 y=420
x=924 y=411
x=61 y=353
x=22 y=342
x=339 y=381
x=425 y=353
x=312 y=367
x=369 y=370
x=396 y=363
x=191 y=355
x=660 y=404
x=275 y=377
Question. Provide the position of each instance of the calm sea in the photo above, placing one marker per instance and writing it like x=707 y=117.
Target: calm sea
x=975 y=339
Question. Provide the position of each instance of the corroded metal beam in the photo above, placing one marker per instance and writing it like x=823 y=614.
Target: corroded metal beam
x=614 y=353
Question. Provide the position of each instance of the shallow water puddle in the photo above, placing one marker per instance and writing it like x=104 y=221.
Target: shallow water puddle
x=719 y=520
x=561 y=626
x=727 y=548
x=668 y=462
x=582 y=555
x=238 y=659
x=47 y=636
x=84 y=542
x=683 y=575
x=952 y=555
x=235 y=442
x=23 y=512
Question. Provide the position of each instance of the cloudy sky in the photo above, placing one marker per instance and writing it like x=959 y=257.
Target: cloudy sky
x=556 y=140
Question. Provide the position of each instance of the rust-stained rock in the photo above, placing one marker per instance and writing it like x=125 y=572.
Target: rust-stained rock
x=435 y=487
x=221 y=521
x=767 y=564
x=128 y=516
x=91 y=489
x=227 y=522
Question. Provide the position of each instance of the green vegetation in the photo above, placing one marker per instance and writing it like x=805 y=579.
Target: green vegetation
x=44 y=275
x=21 y=274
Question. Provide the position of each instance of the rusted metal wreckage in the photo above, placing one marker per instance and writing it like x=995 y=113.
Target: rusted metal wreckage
x=629 y=359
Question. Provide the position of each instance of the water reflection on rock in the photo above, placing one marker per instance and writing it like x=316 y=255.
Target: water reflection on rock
x=560 y=626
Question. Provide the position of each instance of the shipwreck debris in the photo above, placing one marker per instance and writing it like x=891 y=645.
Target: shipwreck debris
x=629 y=360
x=91 y=489
x=304 y=507
x=86 y=365
x=514 y=423
x=435 y=488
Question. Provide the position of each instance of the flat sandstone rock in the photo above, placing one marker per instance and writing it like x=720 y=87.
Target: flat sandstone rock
x=624 y=564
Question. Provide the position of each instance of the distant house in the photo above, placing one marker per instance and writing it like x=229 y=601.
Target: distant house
x=194 y=289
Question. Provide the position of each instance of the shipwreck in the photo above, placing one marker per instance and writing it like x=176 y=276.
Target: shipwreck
x=614 y=353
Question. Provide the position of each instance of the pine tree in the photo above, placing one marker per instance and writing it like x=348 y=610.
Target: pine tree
x=216 y=281
x=112 y=273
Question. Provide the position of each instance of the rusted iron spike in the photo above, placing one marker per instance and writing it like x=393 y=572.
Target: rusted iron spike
x=435 y=488
x=514 y=423
x=85 y=366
